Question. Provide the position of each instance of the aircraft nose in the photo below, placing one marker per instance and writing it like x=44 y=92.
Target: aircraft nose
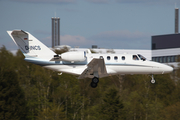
x=167 y=69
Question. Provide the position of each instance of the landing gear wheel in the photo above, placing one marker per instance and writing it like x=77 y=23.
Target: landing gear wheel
x=153 y=81
x=93 y=85
x=95 y=80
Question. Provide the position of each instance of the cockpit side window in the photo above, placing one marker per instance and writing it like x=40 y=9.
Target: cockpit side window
x=142 y=57
x=135 y=57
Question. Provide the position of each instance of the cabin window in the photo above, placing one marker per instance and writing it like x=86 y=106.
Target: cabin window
x=115 y=58
x=135 y=57
x=123 y=57
x=101 y=57
x=108 y=57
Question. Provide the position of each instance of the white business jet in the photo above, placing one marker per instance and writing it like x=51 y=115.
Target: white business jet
x=84 y=63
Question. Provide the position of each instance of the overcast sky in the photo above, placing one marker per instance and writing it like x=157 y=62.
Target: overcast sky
x=120 y=24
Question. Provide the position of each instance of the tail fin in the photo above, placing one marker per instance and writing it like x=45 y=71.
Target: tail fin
x=30 y=46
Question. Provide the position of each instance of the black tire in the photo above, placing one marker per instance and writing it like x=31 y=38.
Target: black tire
x=95 y=80
x=93 y=85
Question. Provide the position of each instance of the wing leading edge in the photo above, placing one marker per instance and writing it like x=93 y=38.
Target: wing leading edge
x=95 y=68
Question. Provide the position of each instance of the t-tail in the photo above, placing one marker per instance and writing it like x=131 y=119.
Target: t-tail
x=30 y=46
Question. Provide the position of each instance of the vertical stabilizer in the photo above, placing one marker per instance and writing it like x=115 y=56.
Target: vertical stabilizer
x=30 y=46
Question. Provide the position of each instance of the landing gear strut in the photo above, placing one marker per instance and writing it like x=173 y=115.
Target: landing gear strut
x=94 y=82
x=153 y=80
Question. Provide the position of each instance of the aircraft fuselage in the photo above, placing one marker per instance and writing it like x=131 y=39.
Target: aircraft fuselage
x=115 y=64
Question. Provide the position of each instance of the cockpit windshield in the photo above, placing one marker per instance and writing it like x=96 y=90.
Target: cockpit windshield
x=142 y=57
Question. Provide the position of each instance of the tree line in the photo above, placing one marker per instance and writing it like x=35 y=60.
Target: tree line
x=31 y=92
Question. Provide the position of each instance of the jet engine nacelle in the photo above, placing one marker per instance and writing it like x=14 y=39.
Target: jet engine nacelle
x=74 y=56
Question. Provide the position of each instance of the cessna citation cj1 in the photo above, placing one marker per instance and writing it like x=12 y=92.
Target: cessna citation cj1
x=85 y=64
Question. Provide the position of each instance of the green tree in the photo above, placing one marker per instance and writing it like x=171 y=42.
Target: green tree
x=12 y=100
x=52 y=112
x=112 y=106
x=171 y=112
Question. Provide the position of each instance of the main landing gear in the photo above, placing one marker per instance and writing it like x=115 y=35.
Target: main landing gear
x=153 y=80
x=94 y=82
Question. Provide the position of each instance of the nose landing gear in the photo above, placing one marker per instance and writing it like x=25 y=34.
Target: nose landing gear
x=152 y=80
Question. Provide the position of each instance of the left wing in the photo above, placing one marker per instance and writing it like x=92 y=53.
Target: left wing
x=95 y=68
